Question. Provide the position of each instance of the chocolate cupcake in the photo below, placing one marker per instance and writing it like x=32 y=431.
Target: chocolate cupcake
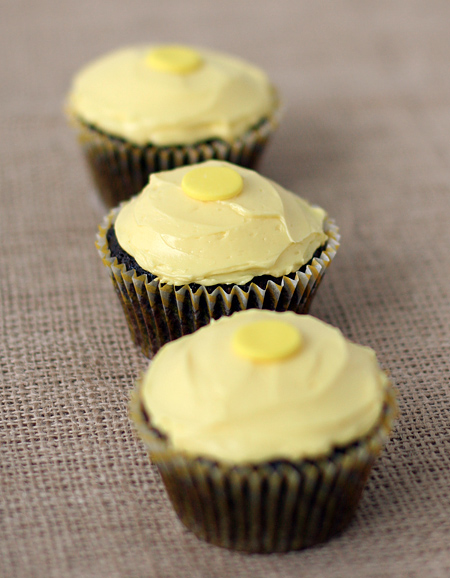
x=264 y=427
x=145 y=109
x=203 y=242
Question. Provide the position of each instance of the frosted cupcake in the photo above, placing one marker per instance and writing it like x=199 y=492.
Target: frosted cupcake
x=201 y=242
x=151 y=108
x=264 y=427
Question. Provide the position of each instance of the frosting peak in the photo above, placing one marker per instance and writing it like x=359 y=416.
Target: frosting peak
x=263 y=230
x=213 y=402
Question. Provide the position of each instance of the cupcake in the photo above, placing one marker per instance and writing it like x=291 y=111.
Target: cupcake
x=145 y=109
x=264 y=427
x=201 y=242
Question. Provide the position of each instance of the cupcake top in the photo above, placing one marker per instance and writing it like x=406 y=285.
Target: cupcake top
x=170 y=95
x=261 y=386
x=218 y=223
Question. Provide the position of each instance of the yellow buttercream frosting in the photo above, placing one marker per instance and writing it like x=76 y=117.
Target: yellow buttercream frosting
x=263 y=230
x=212 y=402
x=170 y=95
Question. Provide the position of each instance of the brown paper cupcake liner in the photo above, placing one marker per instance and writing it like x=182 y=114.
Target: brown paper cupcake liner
x=121 y=169
x=158 y=312
x=269 y=507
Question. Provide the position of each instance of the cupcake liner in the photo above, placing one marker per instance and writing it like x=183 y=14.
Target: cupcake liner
x=158 y=312
x=121 y=169
x=267 y=507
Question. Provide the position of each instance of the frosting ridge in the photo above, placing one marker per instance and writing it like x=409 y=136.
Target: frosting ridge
x=214 y=403
x=263 y=230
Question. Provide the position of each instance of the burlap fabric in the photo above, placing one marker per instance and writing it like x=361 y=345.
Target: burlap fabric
x=366 y=134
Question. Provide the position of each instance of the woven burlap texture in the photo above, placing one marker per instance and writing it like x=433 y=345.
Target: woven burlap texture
x=366 y=134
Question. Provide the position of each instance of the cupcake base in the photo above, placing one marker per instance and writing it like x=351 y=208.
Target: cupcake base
x=269 y=507
x=121 y=169
x=157 y=312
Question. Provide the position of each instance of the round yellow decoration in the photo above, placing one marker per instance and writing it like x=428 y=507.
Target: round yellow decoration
x=174 y=59
x=212 y=183
x=266 y=341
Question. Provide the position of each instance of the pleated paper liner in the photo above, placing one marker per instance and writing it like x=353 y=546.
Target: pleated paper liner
x=121 y=169
x=158 y=312
x=268 y=507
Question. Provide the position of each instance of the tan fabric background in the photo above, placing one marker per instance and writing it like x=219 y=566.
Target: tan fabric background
x=366 y=134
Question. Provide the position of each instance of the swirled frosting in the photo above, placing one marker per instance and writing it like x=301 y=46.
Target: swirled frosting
x=263 y=230
x=123 y=95
x=212 y=402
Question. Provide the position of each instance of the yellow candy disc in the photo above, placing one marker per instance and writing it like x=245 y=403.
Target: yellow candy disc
x=212 y=183
x=174 y=59
x=266 y=341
